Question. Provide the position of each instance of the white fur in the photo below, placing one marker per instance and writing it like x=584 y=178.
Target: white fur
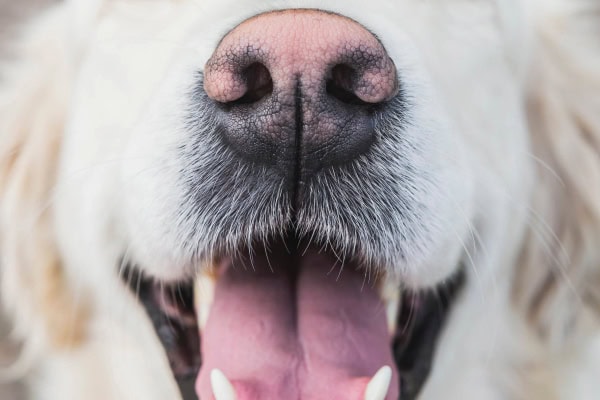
x=106 y=81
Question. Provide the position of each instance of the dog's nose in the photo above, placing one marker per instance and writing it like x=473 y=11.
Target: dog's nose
x=298 y=89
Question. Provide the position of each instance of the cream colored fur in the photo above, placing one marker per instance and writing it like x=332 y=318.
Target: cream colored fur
x=527 y=325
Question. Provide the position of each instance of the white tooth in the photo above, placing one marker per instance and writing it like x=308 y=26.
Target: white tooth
x=222 y=388
x=204 y=293
x=390 y=295
x=379 y=385
x=391 y=311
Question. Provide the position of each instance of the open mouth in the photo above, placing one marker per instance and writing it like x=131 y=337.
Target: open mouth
x=289 y=320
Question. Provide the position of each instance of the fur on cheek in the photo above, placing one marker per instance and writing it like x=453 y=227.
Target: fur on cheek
x=44 y=308
x=560 y=261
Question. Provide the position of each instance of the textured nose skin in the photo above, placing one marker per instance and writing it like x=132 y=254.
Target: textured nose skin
x=298 y=88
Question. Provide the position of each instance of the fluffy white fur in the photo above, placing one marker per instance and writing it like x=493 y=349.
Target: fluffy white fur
x=507 y=102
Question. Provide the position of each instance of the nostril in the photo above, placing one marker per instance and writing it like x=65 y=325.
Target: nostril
x=259 y=84
x=341 y=84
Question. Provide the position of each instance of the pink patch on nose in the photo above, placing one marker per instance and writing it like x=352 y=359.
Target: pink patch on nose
x=305 y=45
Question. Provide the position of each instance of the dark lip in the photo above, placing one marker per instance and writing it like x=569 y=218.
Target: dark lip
x=414 y=357
x=421 y=318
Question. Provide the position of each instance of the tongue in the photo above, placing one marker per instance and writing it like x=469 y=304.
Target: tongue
x=284 y=328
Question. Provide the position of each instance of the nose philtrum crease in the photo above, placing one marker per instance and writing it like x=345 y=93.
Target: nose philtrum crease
x=299 y=130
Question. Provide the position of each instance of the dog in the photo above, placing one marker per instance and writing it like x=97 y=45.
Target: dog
x=304 y=200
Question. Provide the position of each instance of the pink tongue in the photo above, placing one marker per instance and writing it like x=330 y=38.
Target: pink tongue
x=320 y=335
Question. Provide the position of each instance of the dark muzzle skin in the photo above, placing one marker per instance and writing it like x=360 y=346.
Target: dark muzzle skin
x=298 y=89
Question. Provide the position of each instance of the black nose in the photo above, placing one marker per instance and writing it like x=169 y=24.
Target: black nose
x=297 y=90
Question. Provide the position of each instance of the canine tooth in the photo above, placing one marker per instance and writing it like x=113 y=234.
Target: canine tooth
x=222 y=388
x=391 y=311
x=390 y=295
x=204 y=293
x=379 y=385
